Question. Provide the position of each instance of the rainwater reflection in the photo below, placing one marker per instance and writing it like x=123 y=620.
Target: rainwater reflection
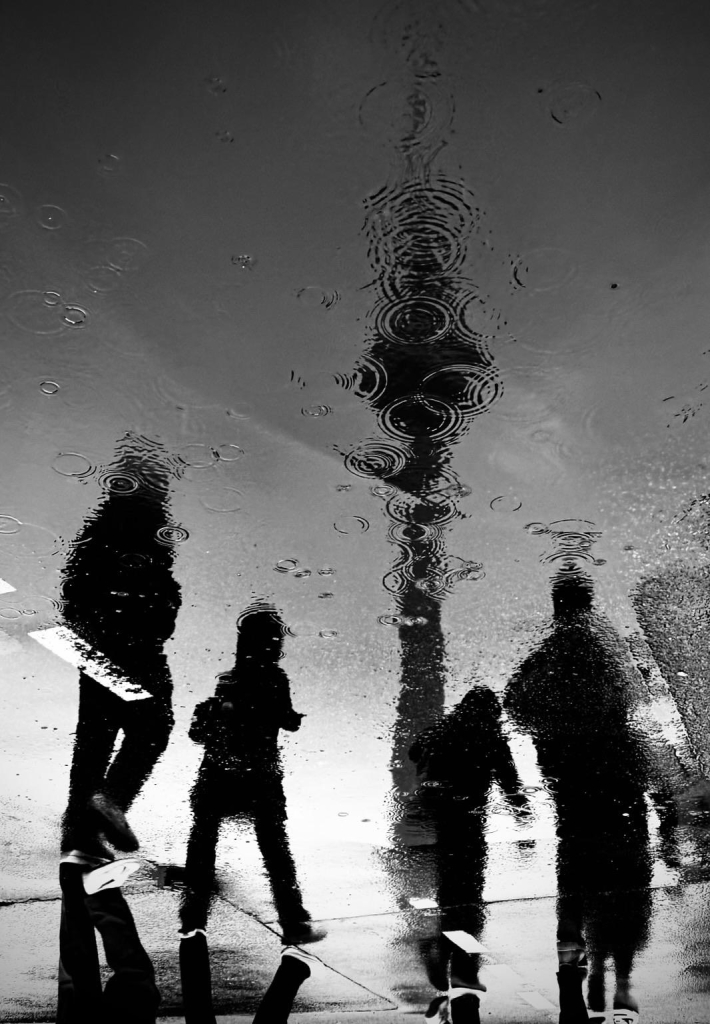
x=398 y=348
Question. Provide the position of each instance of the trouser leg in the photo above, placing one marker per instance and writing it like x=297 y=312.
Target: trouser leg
x=96 y=731
x=131 y=992
x=79 y=991
x=278 y=999
x=146 y=725
x=274 y=846
x=196 y=980
x=195 y=972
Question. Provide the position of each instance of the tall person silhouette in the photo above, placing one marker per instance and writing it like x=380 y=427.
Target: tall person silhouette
x=120 y=606
x=121 y=601
x=575 y=695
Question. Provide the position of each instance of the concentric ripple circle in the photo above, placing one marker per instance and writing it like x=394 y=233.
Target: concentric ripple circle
x=419 y=320
x=407 y=114
x=422 y=416
x=118 y=483
x=377 y=459
x=472 y=388
x=421 y=226
x=368 y=380
x=72 y=464
x=409 y=508
x=351 y=524
x=169 y=535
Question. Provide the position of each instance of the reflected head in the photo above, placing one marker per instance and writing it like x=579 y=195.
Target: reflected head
x=260 y=631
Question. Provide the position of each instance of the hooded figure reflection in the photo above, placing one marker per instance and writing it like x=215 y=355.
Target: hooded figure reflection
x=120 y=601
x=241 y=776
x=457 y=760
x=574 y=696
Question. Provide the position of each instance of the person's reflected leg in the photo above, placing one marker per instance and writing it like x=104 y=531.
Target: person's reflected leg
x=79 y=992
x=571 y=943
x=273 y=843
x=96 y=731
x=146 y=725
x=130 y=992
x=295 y=967
x=195 y=971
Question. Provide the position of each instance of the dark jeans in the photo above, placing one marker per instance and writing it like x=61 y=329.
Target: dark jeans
x=278 y=999
x=130 y=993
x=267 y=813
x=146 y=726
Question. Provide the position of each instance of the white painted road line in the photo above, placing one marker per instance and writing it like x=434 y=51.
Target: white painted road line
x=503 y=975
x=5 y=587
x=423 y=903
x=465 y=942
x=66 y=645
x=537 y=1000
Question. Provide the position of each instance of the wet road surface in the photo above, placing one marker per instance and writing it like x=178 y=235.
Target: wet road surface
x=353 y=546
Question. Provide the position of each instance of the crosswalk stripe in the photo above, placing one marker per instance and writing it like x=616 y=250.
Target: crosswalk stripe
x=465 y=941
x=537 y=1000
x=66 y=645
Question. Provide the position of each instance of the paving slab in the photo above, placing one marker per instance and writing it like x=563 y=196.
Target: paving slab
x=375 y=972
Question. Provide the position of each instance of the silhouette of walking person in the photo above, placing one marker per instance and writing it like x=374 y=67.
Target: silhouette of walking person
x=240 y=776
x=575 y=694
x=120 y=605
x=121 y=602
x=457 y=760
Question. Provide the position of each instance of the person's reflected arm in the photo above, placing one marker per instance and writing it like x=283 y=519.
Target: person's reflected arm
x=287 y=717
x=505 y=773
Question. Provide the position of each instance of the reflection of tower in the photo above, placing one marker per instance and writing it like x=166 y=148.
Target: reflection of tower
x=427 y=373
x=120 y=599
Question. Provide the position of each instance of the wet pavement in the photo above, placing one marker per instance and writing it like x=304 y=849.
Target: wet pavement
x=354 y=550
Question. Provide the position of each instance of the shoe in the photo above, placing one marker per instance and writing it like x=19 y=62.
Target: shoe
x=439 y=1008
x=302 y=933
x=114 y=823
x=313 y=963
x=85 y=859
x=110 y=876
x=464 y=1004
x=571 y=954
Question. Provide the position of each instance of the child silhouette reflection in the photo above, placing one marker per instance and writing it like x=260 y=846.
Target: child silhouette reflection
x=241 y=776
x=574 y=695
x=121 y=599
x=458 y=759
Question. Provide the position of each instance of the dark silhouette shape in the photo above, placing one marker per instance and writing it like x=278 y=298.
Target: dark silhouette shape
x=574 y=695
x=240 y=776
x=457 y=761
x=427 y=374
x=130 y=992
x=295 y=967
x=121 y=599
